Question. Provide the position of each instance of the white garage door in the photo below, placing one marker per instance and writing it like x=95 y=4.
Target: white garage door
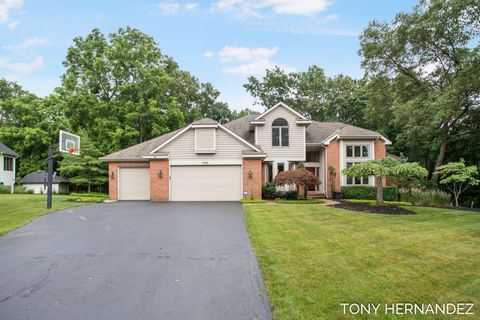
x=134 y=184
x=205 y=183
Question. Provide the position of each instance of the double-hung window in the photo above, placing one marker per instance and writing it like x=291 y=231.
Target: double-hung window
x=7 y=164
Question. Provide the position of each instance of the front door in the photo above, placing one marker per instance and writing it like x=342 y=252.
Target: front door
x=313 y=170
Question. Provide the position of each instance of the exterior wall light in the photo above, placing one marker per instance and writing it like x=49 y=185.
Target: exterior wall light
x=160 y=174
x=250 y=174
x=112 y=175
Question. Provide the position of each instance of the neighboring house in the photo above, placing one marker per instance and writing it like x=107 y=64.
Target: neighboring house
x=8 y=159
x=37 y=182
x=208 y=161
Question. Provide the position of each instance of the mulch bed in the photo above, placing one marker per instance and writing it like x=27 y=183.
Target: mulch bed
x=365 y=207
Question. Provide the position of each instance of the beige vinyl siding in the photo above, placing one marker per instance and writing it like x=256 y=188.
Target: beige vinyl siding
x=296 y=149
x=227 y=148
x=205 y=139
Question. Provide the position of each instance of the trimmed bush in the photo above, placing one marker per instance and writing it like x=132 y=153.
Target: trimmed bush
x=269 y=191
x=20 y=190
x=4 y=189
x=369 y=192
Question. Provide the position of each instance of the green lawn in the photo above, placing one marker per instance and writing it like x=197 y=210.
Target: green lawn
x=19 y=209
x=315 y=257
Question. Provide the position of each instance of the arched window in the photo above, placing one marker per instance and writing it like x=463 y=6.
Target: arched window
x=280 y=133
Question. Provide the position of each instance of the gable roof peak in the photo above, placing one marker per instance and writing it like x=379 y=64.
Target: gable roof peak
x=204 y=121
x=284 y=105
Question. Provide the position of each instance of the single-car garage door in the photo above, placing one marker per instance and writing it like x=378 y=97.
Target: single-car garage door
x=134 y=184
x=205 y=183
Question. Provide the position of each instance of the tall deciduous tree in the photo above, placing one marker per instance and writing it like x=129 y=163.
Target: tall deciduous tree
x=432 y=54
x=322 y=98
x=123 y=90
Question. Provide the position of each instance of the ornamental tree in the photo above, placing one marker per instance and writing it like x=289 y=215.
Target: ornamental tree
x=457 y=177
x=382 y=168
x=300 y=177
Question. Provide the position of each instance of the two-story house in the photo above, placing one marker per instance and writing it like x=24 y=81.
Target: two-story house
x=208 y=161
x=7 y=166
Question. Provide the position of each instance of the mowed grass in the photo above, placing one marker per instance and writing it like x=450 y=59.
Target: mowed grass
x=315 y=257
x=19 y=209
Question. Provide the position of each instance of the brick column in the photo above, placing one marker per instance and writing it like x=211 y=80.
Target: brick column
x=380 y=153
x=113 y=179
x=159 y=182
x=333 y=160
x=252 y=178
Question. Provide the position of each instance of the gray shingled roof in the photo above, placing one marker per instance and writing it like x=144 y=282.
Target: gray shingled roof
x=136 y=152
x=205 y=121
x=39 y=177
x=7 y=151
x=241 y=127
x=316 y=132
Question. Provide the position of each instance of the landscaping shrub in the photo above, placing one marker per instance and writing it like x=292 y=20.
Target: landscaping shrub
x=269 y=191
x=369 y=192
x=88 y=197
x=21 y=190
x=429 y=198
x=287 y=195
x=4 y=189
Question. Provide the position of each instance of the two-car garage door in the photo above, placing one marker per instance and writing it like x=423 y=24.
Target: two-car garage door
x=187 y=183
x=205 y=183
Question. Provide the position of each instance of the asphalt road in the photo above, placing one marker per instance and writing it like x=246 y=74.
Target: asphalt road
x=133 y=260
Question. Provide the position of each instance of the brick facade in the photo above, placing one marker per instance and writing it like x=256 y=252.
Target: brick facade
x=159 y=186
x=252 y=183
x=113 y=175
x=380 y=153
x=333 y=159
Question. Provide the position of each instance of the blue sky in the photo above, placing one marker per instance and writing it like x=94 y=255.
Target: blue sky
x=220 y=41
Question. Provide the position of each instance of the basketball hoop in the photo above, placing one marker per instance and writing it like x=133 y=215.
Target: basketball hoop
x=73 y=150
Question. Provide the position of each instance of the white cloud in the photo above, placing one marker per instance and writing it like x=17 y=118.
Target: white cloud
x=6 y=6
x=261 y=8
x=21 y=67
x=256 y=67
x=168 y=8
x=172 y=8
x=191 y=5
x=245 y=54
x=31 y=42
x=209 y=54
x=253 y=60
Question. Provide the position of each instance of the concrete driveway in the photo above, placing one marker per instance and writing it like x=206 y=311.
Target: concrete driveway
x=133 y=260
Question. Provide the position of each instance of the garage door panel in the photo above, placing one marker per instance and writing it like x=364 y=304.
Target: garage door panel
x=134 y=184
x=205 y=183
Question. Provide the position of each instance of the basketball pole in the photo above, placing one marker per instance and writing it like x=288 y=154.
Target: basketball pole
x=50 y=158
x=49 y=177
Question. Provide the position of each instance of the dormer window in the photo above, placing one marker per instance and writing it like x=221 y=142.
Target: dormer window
x=280 y=133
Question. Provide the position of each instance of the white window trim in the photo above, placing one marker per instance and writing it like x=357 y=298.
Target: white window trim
x=280 y=134
x=344 y=159
x=214 y=132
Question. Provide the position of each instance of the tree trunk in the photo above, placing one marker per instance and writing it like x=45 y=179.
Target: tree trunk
x=379 y=191
x=442 y=152
x=89 y=188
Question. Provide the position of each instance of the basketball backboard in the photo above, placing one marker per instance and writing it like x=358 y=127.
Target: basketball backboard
x=69 y=143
